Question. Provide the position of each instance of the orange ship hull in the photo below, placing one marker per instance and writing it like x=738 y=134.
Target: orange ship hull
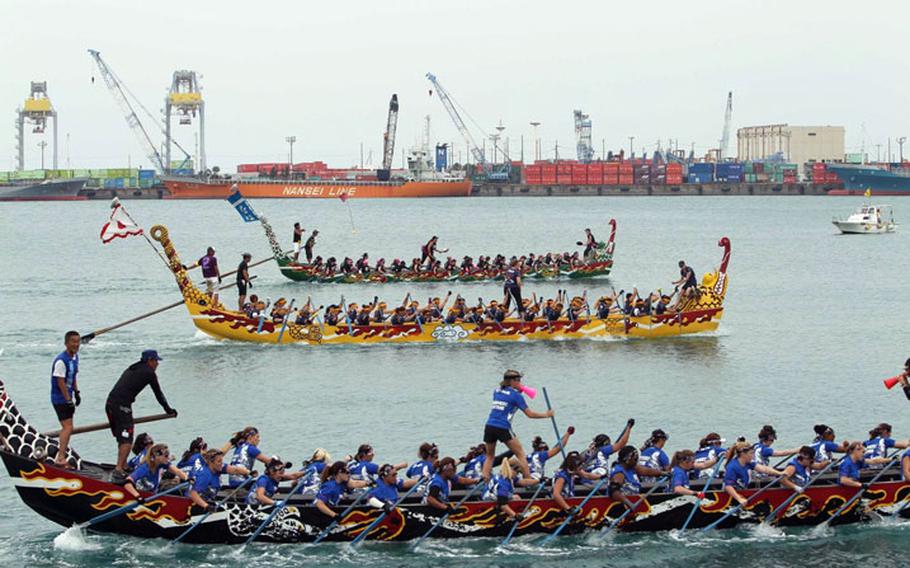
x=188 y=188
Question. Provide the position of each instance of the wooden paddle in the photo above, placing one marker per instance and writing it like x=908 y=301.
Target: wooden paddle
x=106 y=425
x=90 y=336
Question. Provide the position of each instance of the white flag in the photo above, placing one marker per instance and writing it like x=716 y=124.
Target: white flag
x=120 y=226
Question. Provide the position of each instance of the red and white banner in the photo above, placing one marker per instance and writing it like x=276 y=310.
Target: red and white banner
x=120 y=226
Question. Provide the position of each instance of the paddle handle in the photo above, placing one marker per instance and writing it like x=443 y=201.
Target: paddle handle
x=546 y=398
x=106 y=425
x=741 y=505
x=508 y=537
x=446 y=516
x=581 y=505
x=325 y=532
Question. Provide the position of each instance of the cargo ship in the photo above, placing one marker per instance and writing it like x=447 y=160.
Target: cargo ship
x=219 y=188
x=44 y=190
x=879 y=179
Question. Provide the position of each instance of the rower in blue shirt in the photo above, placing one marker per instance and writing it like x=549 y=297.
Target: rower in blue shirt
x=824 y=444
x=207 y=479
x=147 y=477
x=710 y=449
x=313 y=472
x=385 y=494
x=653 y=455
x=763 y=450
x=507 y=400
x=437 y=494
x=683 y=465
x=739 y=471
x=853 y=464
x=335 y=482
x=266 y=485
x=798 y=471
x=542 y=453
x=878 y=444
x=502 y=489
x=563 y=484
x=474 y=461
x=625 y=477
x=141 y=446
x=597 y=456
x=246 y=452
x=426 y=465
x=192 y=459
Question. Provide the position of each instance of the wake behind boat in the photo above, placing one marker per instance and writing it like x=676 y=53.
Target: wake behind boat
x=700 y=311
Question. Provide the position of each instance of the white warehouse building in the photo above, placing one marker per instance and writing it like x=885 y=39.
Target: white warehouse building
x=796 y=144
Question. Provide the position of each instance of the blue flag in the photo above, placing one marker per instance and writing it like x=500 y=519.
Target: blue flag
x=242 y=206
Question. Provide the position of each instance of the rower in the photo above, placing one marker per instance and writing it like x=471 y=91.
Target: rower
x=441 y=485
x=280 y=310
x=192 y=458
x=507 y=399
x=399 y=317
x=310 y=243
x=625 y=475
x=474 y=461
x=363 y=264
x=243 y=279
x=249 y=308
x=541 y=453
x=474 y=315
x=576 y=307
x=763 y=450
x=550 y=311
x=140 y=449
x=347 y=265
x=451 y=265
x=824 y=445
x=530 y=310
x=317 y=264
x=119 y=405
x=412 y=312
x=304 y=315
x=335 y=482
x=207 y=479
x=653 y=456
x=457 y=312
x=563 y=484
x=739 y=471
x=599 y=451
x=878 y=444
x=332 y=314
x=850 y=467
x=602 y=307
x=313 y=471
x=363 y=316
x=147 y=476
x=351 y=314
x=362 y=467
x=426 y=465
x=246 y=452
x=385 y=494
x=298 y=234
x=662 y=306
x=502 y=490
x=710 y=449
x=65 y=395
x=683 y=466
x=380 y=266
x=467 y=265
x=267 y=484
x=799 y=469
x=494 y=312
x=379 y=314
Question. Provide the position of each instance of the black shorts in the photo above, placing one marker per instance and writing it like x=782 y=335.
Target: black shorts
x=121 y=419
x=64 y=411
x=492 y=434
x=241 y=288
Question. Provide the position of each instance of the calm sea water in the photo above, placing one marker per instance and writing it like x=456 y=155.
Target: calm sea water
x=814 y=321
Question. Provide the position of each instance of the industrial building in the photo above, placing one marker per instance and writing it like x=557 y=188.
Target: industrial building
x=795 y=144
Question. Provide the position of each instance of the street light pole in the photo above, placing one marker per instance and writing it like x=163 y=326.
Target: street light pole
x=290 y=140
x=42 y=145
x=631 y=147
x=900 y=144
x=536 y=141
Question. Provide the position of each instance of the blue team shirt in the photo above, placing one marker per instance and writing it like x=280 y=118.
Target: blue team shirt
x=207 y=482
x=363 y=470
x=602 y=457
x=331 y=492
x=134 y=461
x=385 y=492
x=443 y=485
x=850 y=468
x=823 y=450
x=537 y=461
x=192 y=464
x=267 y=483
x=877 y=447
x=738 y=475
x=506 y=401
x=422 y=468
x=704 y=455
x=245 y=455
x=655 y=458
x=146 y=478
x=680 y=478
x=568 y=486
x=474 y=468
x=763 y=453
x=72 y=369
x=500 y=486
x=800 y=474
x=630 y=485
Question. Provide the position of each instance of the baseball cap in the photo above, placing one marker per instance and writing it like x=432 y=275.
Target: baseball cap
x=150 y=354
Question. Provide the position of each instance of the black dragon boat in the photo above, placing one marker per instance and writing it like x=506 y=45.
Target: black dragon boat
x=68 y=497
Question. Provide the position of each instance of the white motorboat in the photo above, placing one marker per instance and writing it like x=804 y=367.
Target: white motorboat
x=868 y=220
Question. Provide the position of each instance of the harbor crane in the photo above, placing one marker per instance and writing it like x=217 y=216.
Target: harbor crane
x=36 y=110
x=583 y=144
x=119 y=91
x=725 y=137
x=478 y=154
x=388 y=141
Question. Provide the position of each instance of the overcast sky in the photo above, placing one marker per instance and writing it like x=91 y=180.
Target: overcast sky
x=324 y=71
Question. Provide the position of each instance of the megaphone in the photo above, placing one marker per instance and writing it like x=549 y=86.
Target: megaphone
x=889 y=383
x=532 y=392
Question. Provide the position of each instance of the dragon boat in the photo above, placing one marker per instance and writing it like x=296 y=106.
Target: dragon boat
x=70 y=496
x=699 y=314
x=600 y=263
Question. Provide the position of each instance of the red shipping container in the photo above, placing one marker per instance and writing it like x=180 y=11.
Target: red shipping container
x=626 y=168
x=580 y=178
x=674 y=179
x=625 y=179
x=564 y=179
x=595 y=178
x=611 y=168
x=674 y=168
x=548 y=180
x=611 y=179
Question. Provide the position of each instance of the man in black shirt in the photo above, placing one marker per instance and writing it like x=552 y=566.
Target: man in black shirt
x=243 y=279
x=119 y=406
x=308 y=247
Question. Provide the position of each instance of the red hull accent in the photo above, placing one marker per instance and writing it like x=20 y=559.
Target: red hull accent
x=197 y=189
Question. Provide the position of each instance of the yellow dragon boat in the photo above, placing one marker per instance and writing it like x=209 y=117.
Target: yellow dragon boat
x=699 y=314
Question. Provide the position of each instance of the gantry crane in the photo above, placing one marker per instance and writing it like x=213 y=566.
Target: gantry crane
x=388 y=141
x=119 y=91
x=725 y=137
x=184 y=97
x=36 y=110
x=583 y=144
x=450 y=105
